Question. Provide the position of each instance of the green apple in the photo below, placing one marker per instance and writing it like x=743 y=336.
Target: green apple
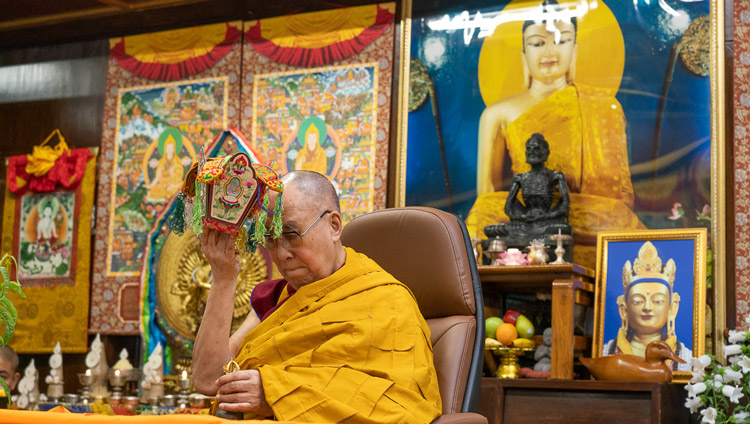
x=524 y=327
x=491 y=324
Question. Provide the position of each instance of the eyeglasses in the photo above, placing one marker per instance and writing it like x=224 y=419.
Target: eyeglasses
x=289 y=239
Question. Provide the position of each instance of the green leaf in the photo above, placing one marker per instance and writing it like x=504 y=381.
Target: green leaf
x=16 y=287
x=7 y=390
x=8 y=258
x=10 y=324
x=5 y=274
x=8 y=304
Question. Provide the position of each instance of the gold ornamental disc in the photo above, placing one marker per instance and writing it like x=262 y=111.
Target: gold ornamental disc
x=183 y=280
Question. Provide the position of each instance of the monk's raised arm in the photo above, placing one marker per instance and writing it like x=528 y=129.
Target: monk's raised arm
x=212 y=344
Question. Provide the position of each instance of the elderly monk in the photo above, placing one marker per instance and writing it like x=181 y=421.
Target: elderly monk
x=338 y=339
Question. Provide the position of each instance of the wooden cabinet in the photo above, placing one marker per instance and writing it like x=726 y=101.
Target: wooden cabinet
x=526 y=401
x=570 y=284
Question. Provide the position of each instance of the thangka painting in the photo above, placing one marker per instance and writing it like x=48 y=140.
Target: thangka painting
x=159 y=135
x=45 y=248
x=631 y=133
x=323 y=120
x=49 y=233
x=169 y=94
x=317 y=97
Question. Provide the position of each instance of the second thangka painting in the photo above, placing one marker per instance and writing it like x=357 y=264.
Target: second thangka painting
x=630 y=133
x=320 y=85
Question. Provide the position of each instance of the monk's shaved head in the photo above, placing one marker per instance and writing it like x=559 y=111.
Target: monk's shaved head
x=316 y=187
x=9 y=355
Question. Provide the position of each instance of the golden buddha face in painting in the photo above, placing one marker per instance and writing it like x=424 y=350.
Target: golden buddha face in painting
x=549 y=51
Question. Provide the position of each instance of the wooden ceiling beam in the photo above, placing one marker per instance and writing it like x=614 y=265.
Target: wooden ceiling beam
x=117 y=18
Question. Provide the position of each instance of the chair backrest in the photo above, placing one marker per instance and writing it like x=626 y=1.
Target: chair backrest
x=430 y=252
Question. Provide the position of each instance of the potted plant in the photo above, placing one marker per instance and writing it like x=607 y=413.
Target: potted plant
x=719 y=392
x=8 y=313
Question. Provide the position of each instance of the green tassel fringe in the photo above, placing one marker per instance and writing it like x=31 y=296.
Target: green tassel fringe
x=276 y=222
x=260 y=221
x=196 y=223
x=176 y=221
x=250 y=244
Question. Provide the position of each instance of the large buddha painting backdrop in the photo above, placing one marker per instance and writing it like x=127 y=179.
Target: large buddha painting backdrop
x=620 y=90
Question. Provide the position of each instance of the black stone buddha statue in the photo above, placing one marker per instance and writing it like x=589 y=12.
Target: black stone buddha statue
x=535 y=217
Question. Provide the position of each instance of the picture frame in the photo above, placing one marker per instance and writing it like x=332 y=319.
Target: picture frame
x=460 y=103
x=651 y=283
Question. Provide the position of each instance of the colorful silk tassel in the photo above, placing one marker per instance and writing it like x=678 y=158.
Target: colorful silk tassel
x=197 y=219
x=176 y=221
x=260 y=221
x=250 y=244
x=276 y=222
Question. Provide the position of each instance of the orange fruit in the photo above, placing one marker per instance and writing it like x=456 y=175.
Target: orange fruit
x=506 y=333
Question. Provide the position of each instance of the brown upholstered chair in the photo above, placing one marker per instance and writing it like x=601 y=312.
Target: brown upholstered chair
x=429 y=250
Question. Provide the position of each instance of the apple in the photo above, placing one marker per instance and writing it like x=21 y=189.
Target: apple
x=524 y=327
x=491 y=324
x=511 y=316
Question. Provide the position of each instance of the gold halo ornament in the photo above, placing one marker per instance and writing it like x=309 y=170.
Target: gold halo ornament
x=500 y=70
x=183 y=280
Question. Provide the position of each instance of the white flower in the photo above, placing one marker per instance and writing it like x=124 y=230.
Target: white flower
x=699 y=364
x=741 y=417
x=732 y=349
x=744 y=362
x=733 y=393
x=694 y=403
x=731 y=376
x=736 y=336
x=695 y=389
x=697 y=376
x=709 y=416
x=718 y=378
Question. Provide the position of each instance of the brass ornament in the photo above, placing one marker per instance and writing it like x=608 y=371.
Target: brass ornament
x=419 y=84
x=183 y=280
x=695 y=51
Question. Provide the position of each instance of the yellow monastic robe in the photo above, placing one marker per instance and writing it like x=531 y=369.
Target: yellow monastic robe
x=585 y=129
x=352 y=347
x=315 y=161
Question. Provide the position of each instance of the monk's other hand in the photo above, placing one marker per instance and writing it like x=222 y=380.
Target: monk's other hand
x=219 y=250
x=242 y=391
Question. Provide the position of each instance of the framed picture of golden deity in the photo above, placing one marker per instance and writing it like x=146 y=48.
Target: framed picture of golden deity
x=651 y=286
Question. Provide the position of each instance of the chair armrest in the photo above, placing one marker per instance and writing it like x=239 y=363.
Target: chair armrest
x=461 y=418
